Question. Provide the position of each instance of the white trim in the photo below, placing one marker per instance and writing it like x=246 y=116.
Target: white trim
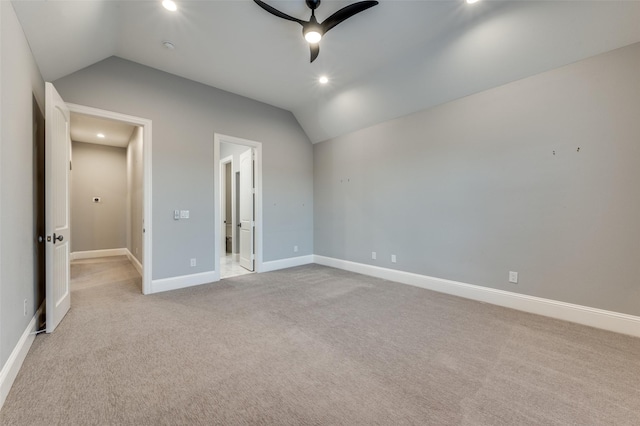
x=11 y=368
x=217 y=213
x=274 y=265
x=146 y=125
x=175 y=283
x=91 y=254
x=135 y=262
x=593 y=317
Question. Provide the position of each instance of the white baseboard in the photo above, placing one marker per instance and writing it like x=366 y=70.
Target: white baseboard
x=593 y=317
x=136 y=263
x=11 y=368
x=175 y=283
x=98 y=253
x=274 y=265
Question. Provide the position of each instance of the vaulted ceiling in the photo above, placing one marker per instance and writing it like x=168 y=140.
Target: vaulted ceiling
x=396 y=58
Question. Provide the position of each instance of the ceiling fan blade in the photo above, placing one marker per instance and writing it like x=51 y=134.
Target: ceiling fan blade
x=315 y=50
x=277 y=13
x=346 y=13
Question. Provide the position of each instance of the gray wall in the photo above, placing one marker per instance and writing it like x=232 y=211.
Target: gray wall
x=135 y=194
x=19 y=79
x=494 y=182
x=185 y=117
x=98 y=171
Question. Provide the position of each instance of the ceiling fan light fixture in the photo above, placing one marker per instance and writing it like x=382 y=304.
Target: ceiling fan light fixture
x=312 y=30
x=323 y=79
x=312 y=36
x=170 y=5
x=472 y=1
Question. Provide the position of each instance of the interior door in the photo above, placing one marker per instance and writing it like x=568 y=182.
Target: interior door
x=57 y=155
x=246 y=210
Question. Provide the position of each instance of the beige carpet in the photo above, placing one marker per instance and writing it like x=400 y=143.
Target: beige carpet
x=313 y=346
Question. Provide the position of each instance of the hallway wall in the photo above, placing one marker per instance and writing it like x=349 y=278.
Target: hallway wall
x=98 y=171
x=135 y=193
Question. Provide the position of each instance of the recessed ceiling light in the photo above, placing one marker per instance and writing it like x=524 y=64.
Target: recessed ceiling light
x=324 y=79
x=168 y=45
x=100 y=135
x=170 y=5
x=472 y=1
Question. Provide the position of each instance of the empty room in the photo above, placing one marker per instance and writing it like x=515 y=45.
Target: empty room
x=320 y=212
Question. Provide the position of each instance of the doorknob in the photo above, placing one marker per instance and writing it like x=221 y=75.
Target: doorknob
x=59 y=238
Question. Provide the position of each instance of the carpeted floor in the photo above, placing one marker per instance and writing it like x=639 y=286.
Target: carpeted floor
x=312 y=346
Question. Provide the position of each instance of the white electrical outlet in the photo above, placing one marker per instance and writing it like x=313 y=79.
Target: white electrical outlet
x=373 y=255
x=176 y=214
x=295 y=249
x=25 y=307
x=513 y=277
x=393 y=258
x=193 y=262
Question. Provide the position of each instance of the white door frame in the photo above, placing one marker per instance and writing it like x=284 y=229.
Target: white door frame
x=223 y=201
x=146 y=162
x=217 y=195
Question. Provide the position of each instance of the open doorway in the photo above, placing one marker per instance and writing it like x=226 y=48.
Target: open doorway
x=106 y=189
x=110 y=187
x=239 y=210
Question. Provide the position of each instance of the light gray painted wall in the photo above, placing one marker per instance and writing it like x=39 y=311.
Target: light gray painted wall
x=472 y=189
x=98 y=171
x=19 y=79
x=185 y=117
x=135 y=193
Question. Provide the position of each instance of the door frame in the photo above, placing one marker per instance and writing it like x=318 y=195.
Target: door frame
x=146 y=178
x=217 y=194
x=223 y=206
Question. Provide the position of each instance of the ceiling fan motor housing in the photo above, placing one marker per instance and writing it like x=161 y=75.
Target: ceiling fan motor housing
x=313 y=4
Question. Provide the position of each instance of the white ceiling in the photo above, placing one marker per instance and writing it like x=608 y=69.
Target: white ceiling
x=391 y=60
x=85 y=128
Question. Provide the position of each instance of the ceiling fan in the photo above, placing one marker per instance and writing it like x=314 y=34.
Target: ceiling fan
x=314 y=30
